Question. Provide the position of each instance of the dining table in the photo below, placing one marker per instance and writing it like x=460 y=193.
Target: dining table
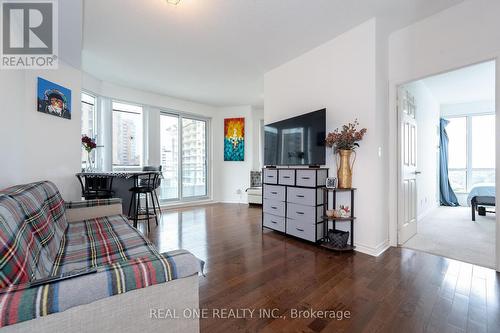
x=123 y=181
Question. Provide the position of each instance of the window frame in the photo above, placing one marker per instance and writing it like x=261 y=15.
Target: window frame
x=180 y=195
x=468 y=153
x=117 y=167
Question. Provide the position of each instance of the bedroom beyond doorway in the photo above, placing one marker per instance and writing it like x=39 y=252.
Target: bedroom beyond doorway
x=447 y=204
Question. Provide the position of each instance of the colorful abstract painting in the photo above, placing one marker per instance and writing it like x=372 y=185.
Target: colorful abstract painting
x=234 y=139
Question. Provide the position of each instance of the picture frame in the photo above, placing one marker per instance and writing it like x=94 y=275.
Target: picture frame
x=53 y=99
x=331 y=182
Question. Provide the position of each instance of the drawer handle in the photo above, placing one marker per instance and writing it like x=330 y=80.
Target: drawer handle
x=301 y=230
x=300 y=213
x=274 y=222
x=306 y=177
x=270 y=176
x=273 y=207
x=287 y=177
x=299 y=196
x=274 y=192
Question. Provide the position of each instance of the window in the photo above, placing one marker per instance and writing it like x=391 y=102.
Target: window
x=183 y=144
x=127 y=135
x=483 y=152
x=88 y=121
x=457 y=153
x=169 y=127
x=194 y=154
x=471 y=151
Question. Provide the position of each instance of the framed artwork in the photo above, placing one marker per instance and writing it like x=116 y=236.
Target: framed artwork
x=234 y=139
x=53 y=99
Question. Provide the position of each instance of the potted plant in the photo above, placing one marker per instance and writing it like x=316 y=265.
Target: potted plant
x=89 y=145
x=344 y=142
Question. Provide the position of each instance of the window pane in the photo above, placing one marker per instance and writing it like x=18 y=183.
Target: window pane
x=457 y=147
x=193 y=158
x=482 y=176
x=458 y=180
x=127 y=135
x=88 y=121
x=169 y=145
x=483 y=141
x=88 y=108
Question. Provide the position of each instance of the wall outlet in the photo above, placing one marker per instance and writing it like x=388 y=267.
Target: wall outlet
x=238 y=191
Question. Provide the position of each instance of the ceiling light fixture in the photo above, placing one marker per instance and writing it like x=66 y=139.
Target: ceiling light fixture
x=173 y=2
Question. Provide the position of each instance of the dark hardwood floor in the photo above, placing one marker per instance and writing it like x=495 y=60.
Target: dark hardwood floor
x=400 y=291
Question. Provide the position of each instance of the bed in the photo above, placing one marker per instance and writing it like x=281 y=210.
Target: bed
x=481 y=195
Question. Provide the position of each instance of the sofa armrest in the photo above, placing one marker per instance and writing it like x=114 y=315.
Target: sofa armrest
x=91 y=209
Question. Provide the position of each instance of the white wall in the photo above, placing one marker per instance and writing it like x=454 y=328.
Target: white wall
x=257 y=118
x=427 y=116
x=459 y=36
x=341 y=75
x=35 y=146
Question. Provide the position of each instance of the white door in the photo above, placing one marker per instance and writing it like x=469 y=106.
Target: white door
x=407 y=199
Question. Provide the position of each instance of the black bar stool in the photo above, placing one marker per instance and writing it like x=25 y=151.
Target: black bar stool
x=144 y=183
x=155 y=168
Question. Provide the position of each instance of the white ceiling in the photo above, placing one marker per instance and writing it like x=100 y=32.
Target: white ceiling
x=217 y=51
x=470 y=84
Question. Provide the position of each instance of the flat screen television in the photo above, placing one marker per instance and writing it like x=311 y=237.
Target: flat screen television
x=296 y=141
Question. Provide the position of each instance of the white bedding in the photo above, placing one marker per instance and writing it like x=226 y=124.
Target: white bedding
x=481 y=189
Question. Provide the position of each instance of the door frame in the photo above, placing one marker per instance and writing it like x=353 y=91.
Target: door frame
x=394 y=147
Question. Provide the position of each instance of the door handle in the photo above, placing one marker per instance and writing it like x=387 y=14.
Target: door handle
x=417 y=172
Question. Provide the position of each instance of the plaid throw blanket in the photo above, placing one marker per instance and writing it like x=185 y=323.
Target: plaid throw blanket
x=100 y=241
x=92 y=203
x=32 y=224
x=24 y=302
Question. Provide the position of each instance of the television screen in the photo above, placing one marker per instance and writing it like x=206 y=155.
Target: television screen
x=296 y=141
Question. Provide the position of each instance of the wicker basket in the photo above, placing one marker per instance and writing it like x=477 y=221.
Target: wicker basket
x=338 y=238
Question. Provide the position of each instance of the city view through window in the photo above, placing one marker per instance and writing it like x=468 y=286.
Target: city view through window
x=127 y=135
x=183 y=156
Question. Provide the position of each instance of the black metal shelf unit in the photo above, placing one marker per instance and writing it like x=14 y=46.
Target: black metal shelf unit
x=335 y=220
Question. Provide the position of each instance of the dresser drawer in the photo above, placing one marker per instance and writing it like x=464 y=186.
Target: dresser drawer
x=274 y=207
x=274 y=192
x=274 y=222
x=305 y=196
x=304 y=230
x=270 y=176
x=311 y=178
x=309 y=214
x=286 y=177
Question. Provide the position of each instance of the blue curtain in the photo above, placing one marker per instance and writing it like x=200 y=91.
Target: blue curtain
x=448 y=197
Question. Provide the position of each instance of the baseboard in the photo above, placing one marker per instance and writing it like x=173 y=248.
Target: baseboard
x=188 y=204
x=373 y=251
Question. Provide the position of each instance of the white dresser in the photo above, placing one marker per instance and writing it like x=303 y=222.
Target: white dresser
x=293 y=201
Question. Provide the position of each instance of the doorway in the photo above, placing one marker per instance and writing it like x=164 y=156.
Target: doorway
x=447 y=164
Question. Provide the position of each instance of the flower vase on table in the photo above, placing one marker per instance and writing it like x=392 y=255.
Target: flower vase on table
x=344 y=142
x=89 y=145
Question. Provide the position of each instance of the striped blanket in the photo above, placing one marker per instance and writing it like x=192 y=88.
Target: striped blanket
x=24 y=302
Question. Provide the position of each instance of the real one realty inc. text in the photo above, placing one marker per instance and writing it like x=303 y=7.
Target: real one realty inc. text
x=247 y=313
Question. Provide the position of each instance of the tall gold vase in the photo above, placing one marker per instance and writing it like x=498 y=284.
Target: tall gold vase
x=344 y=168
